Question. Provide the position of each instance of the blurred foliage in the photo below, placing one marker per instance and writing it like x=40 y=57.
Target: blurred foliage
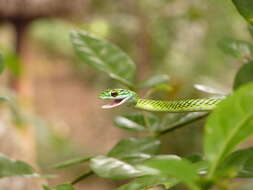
x=10 y=167
x=175 y=45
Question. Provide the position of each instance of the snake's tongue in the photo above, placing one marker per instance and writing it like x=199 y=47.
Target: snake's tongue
x=115 y=103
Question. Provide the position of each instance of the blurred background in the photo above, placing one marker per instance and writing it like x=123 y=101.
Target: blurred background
x=55 y=112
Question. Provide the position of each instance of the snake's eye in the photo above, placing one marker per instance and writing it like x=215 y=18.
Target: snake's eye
x=114 y=94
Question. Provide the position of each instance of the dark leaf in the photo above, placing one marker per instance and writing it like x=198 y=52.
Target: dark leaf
x=244 y=75
x=245 y=8
x=240 y=161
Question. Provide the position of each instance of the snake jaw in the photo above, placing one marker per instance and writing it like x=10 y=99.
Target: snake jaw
x=115 y=103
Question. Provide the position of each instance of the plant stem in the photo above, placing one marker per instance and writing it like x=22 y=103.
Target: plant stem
x=180 y=125
x=81 y=177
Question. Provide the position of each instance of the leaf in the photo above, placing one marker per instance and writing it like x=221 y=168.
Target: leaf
x=133 y=150
x=250 y=27
x=10 y=167
x=113 y=168
x=72 y=162
x=236 y=48
x=180 y=169
x=154 y=80
x=60 y=187
x=147 y=182
x=228 y=125
x=104 y=56
x=175 y=121
x=136 y=122
x=244 y=75
x=1 y=64
x=12 y=62
x=208 y=89
x=245 y=8
x=240 y=161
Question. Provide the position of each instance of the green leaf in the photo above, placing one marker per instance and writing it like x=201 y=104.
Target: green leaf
x=245 y=8
x=147 y=182
x=236 y=48
x=104 y=56
x=244 y=75
x=208 y=89
x=228 y=125
x=137 y=122
x=12 y=62
x=250 y=27
x=60 y=187
x=113 y=168
x=72 y=162
x=173 y=166
x=1 y=64
x=10 y=167
x=175 y=121
x=133 y=150
x=240 y=161
x=154 y=80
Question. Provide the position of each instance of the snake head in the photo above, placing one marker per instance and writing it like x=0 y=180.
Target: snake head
x=118 y=97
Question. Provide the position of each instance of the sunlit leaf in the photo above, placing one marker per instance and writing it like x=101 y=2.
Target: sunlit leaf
x=154 y=80
x=137 y=121
x=72 y=162
x=60 y=187
x=113 y=168
x=228 y=125
x=208 y=89
x=147 y=182
x=133 y=150
x=245 y=8
x=244 y=75
x=236 y=48
x=104 y=56
x=10 y=167
x=182 y=170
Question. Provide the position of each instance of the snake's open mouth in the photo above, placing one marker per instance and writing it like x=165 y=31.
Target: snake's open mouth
x=115 y=103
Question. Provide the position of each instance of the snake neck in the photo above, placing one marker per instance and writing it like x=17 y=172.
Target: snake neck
x=190 y=105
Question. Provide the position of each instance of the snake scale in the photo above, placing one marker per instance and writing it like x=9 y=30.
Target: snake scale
x=123 y=96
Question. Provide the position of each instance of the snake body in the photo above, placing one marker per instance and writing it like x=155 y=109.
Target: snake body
x=121 y=96
x=189 y=105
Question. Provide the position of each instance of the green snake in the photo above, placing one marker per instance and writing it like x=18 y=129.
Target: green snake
x=123 y=96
